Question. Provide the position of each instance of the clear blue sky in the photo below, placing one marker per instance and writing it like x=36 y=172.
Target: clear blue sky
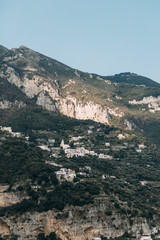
x=101 y=36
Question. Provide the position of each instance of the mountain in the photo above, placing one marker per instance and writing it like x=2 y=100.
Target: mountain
x=124 y=100
x=133 y=78
x=79 y=152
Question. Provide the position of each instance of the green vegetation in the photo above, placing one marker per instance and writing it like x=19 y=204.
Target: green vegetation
x=11 y=93
x=132 y=78
x=128 y=179
x=123 y=175
x=20 y=161
x=51 y=236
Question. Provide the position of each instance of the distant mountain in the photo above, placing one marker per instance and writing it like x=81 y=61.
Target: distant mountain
x=133 y=78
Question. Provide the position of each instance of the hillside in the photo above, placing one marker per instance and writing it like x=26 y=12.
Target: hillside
x=79 y=152
x=123 y=100
x=111 y=184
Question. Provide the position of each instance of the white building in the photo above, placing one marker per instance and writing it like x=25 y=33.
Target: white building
x=121 y=136
x=7 y=129
x=143 y=183
x=107 y=144
x=16 y=134
x=27 y=138
x=138 y=150
x=66 y=174
x=147 y=237
x=76 y=138
x=101 y=155
x=43 y=147
x=90 y=131
x=141 y=146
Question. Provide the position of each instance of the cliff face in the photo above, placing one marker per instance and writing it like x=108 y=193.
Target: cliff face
x=153 y=103
x=75 y=223
x=48 y=97
x=57 y=87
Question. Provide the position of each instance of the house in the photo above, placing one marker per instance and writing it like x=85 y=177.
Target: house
x=90 y=131
x=118 y=147
x=93 y=153
x=74 y=139
x=70 y=152
x=147 y=237
x=121 y=136
x=101 y=155
x=83 y=174
x=35 y=186
x=139 y=150
x=154 y=230
x=107 y=176
x=141 y=146
x=53 y=163
x=8 y=129
x=67 y=174
x=43 y=147
x=79 y=151
x=60 y=174
x=27 y=138
x=16 y=134
x=51 y=142
x=107 y=144
x=71 y=173
x=143 y=183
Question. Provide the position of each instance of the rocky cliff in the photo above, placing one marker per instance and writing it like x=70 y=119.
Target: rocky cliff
x=48 y=97
x=57 y=87
x=75 y=223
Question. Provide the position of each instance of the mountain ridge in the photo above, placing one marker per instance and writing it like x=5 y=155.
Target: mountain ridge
x=79 y=153
x=115 y=78
x=116 y=100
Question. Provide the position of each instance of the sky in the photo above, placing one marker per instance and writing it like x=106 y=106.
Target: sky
x=105 y=37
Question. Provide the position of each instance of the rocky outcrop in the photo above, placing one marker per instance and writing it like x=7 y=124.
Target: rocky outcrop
x=152 y=102
x=9 y=198
x=31 y=87
x=129 y=125
x=76 y=109
x=4 y=228
x=4 y=104
x=75 y=223
x=47 y=95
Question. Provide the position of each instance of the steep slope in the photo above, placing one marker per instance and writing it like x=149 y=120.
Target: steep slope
x=122 y=100
x=114 y=192
x=75 y=178
x=3 y=51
